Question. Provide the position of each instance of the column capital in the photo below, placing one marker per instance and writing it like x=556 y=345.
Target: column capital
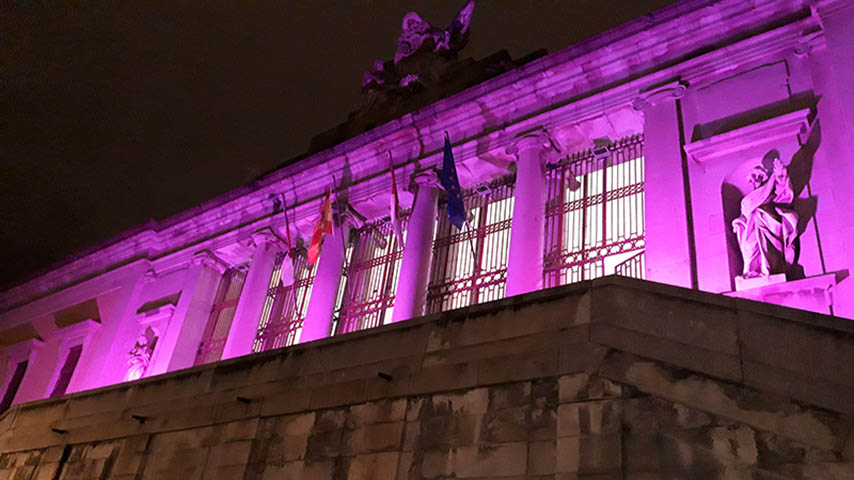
x=427 y=178
x=266 y=235
x=207 y=258
x=808 y=42
x=149 y=276
x=539 y=138
x=663 y=93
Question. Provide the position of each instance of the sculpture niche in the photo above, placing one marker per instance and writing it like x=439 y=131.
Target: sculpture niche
x=139 y=357
x=422 y=53
x=767 y=228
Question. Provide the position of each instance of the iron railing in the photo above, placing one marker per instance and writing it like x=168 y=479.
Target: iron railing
x=371 y=277
x=470 y=266
x=222 y=313
x=594 y=212
x=286 y=302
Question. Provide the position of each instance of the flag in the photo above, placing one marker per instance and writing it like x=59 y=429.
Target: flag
x=287 y=263
x=323 y=225
x=395 y=206
x=451 y=183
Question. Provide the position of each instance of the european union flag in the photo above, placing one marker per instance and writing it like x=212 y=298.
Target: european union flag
x=451 y=184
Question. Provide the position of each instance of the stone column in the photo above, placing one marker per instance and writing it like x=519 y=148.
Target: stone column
x=176 y=349
x=411 y=295
x=832 y=67
x=324 y=292
x=527 y=234
x=668 y=251
x=244 y=327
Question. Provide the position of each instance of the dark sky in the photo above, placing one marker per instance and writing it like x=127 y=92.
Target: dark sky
x=115 y=112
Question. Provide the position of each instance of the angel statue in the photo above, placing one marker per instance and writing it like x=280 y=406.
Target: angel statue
x=139 y=356
x=767 y=228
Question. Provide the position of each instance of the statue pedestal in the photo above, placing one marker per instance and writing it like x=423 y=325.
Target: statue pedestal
x=814 y=293
x=742 y=283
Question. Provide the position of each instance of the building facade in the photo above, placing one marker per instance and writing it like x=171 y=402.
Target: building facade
x=630 y=153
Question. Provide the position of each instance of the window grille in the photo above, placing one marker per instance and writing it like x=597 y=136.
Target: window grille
x=12 y=387
x=285 y=306
x=222 y=313
x=67 y=371
x=470 y=266
x=595 y=215
x=371 y=277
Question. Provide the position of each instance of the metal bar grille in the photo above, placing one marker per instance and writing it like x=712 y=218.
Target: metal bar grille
x=470 y=266
x=285 y=306
x=222 y=313
x=632 y=267
x=372 y=273
x=594 y=213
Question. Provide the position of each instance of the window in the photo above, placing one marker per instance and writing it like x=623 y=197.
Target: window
x=285 y=306
x=595 y=215
x=222 y=313
x=13 y=385
x=470 y=266
x=371 y=278
x=64 y=378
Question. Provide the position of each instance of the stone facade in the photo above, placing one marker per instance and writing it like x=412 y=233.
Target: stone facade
x=578 y=382
x=691 y=97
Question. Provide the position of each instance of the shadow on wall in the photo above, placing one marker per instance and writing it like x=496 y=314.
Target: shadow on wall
x=735 y=186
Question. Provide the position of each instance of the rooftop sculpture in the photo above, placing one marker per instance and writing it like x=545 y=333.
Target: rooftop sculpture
x=419 y=39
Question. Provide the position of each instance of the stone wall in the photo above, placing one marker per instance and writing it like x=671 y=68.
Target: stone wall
x=611 y=379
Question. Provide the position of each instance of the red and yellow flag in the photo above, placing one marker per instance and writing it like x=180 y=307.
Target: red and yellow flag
x=323 y=226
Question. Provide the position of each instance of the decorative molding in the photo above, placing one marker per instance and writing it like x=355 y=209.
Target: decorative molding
x=767 y=132
x=808 y=42
x=266 y=235
x=78 y=332
x=207 y=258
x=23 y=350
x=149 y=276
x=664 y=93
x=155 y=316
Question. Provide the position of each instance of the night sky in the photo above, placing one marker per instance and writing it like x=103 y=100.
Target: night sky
x=113 y=113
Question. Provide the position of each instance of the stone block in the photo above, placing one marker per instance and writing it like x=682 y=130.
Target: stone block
x=373 y=466
x=582 y=386
x=763 y=411
x=505 y=426
x=503 y=325
x=378 y=437
x=474 y=401
x=707 y=326
x=658 y=348
x=374 y=412
x=302 y=424
x=583 y=357
x=816 y=353
x=411 y=434
x=481 y=351
x=228 y=472
x=541 y=458
x=509 y=396
x=338 y=394
x=285 y=402
x=486 y=461
x=801 y=387
x=441 y=378
x=513 y=368
x=315 y=470
x=324 y=444
x=231 y=453
x=601 y=417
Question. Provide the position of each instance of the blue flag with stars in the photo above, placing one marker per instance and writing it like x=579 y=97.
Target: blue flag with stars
x=451 y=184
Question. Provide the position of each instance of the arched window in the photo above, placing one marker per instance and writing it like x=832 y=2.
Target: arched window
x=286 y=302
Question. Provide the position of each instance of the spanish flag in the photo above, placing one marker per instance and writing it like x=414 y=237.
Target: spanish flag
x=323 y=225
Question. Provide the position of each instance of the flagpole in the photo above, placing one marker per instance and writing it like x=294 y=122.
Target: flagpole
x=288 y=257
x=340 y=219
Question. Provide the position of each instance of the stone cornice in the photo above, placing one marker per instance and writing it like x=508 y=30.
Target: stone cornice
x=664 y=93
x=759 y=134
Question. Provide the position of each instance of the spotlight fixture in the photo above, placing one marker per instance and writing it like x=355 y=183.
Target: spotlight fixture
x=384 y=376
x=139 y=418
x=244 y=400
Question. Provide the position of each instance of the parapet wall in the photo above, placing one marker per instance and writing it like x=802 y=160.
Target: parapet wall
x=613 y=378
